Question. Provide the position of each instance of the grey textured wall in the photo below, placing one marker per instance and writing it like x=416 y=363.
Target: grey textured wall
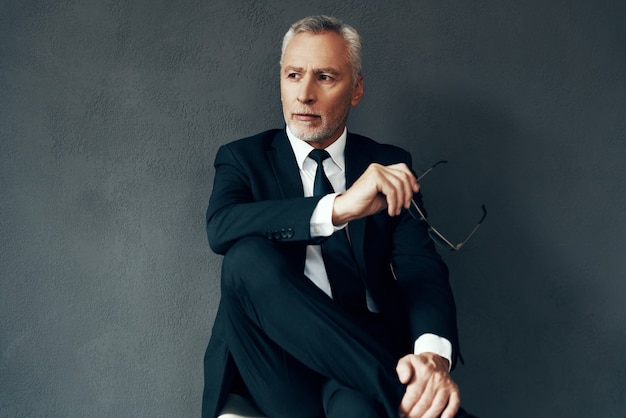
x=110 y=116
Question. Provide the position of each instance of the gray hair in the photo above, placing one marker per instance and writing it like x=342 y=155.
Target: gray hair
x=321 y=23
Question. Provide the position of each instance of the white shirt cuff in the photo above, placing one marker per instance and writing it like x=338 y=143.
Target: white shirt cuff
x=431 y=343
x=322 y=217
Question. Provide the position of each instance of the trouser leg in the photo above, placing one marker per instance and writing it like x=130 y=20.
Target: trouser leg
x=343 y=402
x=280 y=385
x=272 y=303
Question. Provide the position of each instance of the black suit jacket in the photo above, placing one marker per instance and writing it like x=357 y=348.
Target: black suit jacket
x=258 y=191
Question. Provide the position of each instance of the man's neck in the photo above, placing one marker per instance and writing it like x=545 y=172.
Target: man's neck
x=302 y=148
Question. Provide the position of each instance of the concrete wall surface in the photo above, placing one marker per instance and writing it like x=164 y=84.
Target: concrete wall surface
x=111 y=113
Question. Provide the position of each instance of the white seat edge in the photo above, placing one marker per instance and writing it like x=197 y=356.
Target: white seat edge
x=239 y=407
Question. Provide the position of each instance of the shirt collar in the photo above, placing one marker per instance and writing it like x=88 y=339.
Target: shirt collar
x=301 y=149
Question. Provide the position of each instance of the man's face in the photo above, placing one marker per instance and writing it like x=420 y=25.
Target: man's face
x=317 y=88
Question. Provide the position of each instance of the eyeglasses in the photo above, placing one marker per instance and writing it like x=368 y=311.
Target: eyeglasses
x=435 y=235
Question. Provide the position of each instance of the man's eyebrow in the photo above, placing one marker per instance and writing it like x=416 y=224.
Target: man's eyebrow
x=291 y=68
x=327 y=70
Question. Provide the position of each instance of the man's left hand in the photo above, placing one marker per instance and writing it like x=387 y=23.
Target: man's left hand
x=430 y=390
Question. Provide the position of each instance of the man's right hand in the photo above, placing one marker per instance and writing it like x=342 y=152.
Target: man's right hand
x=379 y=187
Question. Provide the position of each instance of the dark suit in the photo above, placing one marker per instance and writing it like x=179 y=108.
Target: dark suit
x=258 y=193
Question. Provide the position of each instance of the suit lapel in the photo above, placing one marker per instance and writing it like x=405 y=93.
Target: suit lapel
x=357 y=161
x=284 y=166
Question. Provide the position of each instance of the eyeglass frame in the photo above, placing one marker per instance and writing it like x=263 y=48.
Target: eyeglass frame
x=434 y=234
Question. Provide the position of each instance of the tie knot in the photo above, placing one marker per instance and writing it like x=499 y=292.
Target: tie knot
x=319 y=155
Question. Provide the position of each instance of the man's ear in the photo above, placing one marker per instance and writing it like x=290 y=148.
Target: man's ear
x=357 y=91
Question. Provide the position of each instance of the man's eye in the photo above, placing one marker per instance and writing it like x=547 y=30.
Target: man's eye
x=324 y=77
x=292 y=75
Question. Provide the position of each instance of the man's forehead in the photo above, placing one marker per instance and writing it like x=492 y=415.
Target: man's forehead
x=327 y=50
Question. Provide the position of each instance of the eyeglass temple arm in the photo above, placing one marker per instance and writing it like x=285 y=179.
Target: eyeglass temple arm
x=431 y=169
x=475 y=228
x=434 y=230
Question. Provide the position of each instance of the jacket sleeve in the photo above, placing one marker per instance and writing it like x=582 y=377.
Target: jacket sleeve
x=422 y=278
x=246 y=201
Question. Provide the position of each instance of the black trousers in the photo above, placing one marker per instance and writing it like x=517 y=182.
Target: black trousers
x=298 y=353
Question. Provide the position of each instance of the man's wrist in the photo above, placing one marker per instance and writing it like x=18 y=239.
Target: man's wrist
x=431 y=343
x=341 y=213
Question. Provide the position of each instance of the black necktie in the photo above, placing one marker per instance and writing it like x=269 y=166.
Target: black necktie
x=345 y=281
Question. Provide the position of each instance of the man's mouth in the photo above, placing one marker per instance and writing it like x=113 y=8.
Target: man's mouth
x=305 y=117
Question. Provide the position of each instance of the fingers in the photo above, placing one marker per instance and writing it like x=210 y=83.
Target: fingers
x=430 y=390
x=454 y=404
x=404 y=370
x=432 y=402
x=403 y=185
x=442 y=405
x=379 y=187
x=397 y=183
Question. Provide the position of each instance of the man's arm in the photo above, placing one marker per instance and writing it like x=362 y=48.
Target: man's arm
x=421 y=274
x=244 y=202
x=422 y=278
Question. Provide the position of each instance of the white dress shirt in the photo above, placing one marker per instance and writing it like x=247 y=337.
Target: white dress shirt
x=322 y=226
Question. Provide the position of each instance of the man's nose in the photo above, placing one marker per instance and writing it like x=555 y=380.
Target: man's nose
x=306 y=91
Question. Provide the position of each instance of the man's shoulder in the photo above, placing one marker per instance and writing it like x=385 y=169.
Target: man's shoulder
x=365 y=144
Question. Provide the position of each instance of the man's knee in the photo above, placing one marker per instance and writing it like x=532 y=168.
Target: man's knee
x=340 y=401
x=245 y=250
x=252 y=263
